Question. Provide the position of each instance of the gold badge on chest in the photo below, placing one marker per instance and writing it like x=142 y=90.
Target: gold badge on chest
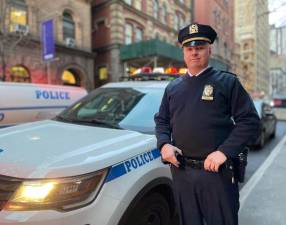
x=208 y=93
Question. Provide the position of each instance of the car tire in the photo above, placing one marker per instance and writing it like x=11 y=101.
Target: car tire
x=153 y=209
x=261 y=140
x=273 y=134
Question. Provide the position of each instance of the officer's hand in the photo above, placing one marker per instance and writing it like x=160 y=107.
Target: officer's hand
x=214 y=160
x=168 y=154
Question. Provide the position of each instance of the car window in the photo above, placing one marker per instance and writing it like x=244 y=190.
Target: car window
x=141 y=118
x=126 y=108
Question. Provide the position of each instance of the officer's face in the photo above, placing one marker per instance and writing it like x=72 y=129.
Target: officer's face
x=197 y=57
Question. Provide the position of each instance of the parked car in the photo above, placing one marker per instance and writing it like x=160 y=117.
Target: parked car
x=279 y=104
x=96 y=163
x=268 y=122
x=25 y=102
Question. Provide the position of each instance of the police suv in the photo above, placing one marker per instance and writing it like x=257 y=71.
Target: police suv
x=22 y=102
x=94 y=164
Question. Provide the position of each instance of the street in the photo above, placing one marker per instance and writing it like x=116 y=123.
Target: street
x=256 y=157
x=262 y=198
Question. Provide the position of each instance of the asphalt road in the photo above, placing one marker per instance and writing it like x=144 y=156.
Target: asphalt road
x=257 y=157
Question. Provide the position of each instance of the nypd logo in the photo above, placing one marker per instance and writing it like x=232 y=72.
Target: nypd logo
x=53 y=95
x=132 y=164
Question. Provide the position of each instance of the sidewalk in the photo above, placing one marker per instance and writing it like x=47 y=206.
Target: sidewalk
x=263 y=197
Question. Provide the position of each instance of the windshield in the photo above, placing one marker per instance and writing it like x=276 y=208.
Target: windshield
x=124 y=108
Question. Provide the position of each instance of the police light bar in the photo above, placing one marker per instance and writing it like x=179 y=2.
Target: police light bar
x=183 y=71
x=150 y=76
x=171 y=70
x=158 y=70
x=146 y=69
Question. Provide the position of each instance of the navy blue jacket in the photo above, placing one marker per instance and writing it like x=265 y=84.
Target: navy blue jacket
x=205 y=113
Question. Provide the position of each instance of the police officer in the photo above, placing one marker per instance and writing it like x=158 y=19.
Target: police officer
x=206 y=117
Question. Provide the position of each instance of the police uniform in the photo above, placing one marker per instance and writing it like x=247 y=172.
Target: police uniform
x=199 y=115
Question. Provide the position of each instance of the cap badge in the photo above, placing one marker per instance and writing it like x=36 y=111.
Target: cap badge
x=193 y=29
x=208 y=93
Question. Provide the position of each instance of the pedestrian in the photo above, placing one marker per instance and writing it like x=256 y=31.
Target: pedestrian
x=206 y=118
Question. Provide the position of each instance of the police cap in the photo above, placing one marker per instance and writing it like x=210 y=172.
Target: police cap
x=196 y=34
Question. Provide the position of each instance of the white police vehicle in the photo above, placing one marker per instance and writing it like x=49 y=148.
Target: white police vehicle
x=95 y=164
x=21 y=102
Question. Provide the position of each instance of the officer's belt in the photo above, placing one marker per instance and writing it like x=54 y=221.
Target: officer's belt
x=194 y=163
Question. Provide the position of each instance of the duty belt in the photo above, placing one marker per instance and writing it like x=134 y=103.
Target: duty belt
x=194 y=163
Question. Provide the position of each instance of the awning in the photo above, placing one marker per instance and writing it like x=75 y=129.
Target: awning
x=151 y=48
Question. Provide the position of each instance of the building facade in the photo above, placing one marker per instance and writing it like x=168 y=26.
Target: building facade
x=220 y=15
x=278 y=39
x=278 y=74
x=252 y=34
x=131 y=34
x=21 y=42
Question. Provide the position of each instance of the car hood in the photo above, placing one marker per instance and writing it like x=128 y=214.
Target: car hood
x=49 y=149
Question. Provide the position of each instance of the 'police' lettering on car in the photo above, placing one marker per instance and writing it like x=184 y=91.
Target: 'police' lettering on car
x=138 y=161
x=53 y=95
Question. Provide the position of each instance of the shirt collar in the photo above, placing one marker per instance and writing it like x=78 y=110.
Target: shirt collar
x=191 y=75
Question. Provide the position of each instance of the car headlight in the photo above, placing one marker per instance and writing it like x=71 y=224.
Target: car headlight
x=61 y=194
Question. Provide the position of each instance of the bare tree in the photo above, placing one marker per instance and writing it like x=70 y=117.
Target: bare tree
x=8 y=40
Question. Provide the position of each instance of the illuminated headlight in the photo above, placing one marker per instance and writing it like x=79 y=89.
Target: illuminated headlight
x=59 y=194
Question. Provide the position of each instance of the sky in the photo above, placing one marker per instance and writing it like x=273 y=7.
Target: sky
x=277 y=13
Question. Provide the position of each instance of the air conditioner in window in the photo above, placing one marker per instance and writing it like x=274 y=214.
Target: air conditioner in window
x=22 y=29
x=70 y=42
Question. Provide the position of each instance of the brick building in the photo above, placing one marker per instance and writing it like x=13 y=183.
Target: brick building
x=21 y=44
x=129 y=34
x=220 y=15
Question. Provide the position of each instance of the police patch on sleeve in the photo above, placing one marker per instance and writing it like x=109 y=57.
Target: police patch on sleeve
x=208 y=93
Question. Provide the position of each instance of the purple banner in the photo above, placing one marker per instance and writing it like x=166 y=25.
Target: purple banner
x=48 y=43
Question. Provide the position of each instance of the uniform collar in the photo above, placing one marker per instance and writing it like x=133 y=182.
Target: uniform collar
x=203 y=70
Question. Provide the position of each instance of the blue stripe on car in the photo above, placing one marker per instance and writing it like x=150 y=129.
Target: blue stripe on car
x=131 y=164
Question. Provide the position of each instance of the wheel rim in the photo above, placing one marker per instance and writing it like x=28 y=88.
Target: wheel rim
x=152 y=217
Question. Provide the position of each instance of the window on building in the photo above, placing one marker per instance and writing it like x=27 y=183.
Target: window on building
x=156 y=9
x=19 y=74
x=102 y=73
x=176 y=22
x=138 y=34
x=138 y=4
x=164 y=14
x=157 y=36
x=181 y=21
x=18 y=15
x=128 y=34
x=69 y=78
x=129 y=2
x=245 y=46
x=68 y=26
